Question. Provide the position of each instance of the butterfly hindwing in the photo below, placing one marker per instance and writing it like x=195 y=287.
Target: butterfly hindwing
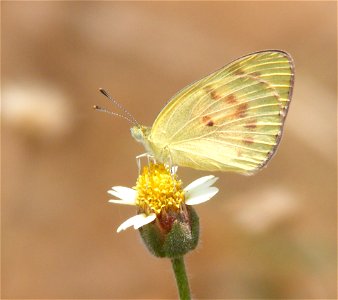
x=230 y=120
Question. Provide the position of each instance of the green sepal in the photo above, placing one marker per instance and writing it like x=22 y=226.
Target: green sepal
x=195 y=227
x=153 y=239
x=182 y=238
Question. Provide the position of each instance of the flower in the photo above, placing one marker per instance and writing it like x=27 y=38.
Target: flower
x=158 y=195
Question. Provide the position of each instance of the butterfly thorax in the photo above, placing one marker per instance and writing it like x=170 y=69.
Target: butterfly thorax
x=141 y=134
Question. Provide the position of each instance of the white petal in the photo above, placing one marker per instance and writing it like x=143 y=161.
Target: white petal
x=202 y=182
x=125 y=202
x=201 y=197
x=148 y=219
x=123 y=193
x=131 y=222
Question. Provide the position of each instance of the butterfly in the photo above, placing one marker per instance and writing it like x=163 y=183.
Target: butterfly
x=230 y=120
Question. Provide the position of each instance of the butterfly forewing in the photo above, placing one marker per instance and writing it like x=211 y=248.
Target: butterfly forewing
x=230 y=120
x=275 y=67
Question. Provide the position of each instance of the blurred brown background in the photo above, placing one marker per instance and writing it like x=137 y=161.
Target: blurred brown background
x=272 y=235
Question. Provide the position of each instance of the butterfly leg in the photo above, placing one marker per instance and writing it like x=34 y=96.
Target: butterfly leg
x=151 y=158
x=139 y=157
x=169 y=164
x=173 y=170
x=138 y=161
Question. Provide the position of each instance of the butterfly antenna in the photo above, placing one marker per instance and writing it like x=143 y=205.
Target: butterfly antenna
x=102 y=109
x=119 y=105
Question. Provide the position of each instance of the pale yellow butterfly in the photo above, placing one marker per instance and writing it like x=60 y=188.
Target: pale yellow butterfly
x=230 y=120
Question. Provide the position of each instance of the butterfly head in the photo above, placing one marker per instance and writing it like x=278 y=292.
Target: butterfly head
x=141 y=134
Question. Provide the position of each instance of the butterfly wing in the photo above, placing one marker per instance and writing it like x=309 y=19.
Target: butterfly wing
x=231 y=120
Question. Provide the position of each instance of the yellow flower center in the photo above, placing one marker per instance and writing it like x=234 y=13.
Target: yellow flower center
x=158 y=189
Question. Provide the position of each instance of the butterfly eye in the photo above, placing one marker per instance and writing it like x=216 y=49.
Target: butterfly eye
x=137 y=133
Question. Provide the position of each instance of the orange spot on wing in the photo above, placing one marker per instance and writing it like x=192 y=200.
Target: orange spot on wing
x=207 y=121
x=256 y=74
x=214 y=95
x=241 y=110
x=212 y=92
x=248 y=140
x=251 y=125
x=239 y=72
x=231 y=99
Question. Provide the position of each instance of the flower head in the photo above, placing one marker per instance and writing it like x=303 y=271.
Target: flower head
x=159 y=194
x=168 y=224
x=158 y=190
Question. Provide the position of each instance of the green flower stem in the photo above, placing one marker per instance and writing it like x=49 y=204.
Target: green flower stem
x=181 y=278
